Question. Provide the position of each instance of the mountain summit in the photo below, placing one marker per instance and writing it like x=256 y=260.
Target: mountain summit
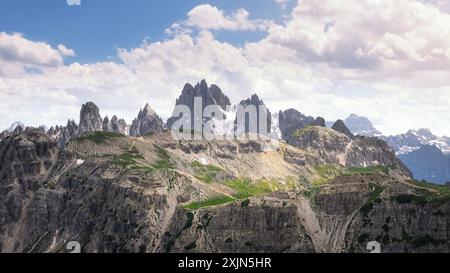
x=212 y=95
x=90 y=119
x=146 y=122
x=361 y=126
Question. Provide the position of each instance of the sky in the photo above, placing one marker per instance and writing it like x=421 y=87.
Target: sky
x=386 y=60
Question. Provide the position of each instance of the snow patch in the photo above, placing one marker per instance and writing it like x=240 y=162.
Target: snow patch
x=204 y=161
x=80 y=162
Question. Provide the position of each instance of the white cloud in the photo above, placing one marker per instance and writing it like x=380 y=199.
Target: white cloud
x=73 y=2
x=207 y=17
x=66 y=51
x=383 y=59
x=17 y=54
x=282 y=3
x=381 y=38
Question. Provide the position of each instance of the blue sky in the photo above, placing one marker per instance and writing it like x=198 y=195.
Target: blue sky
x=96 y=28
x=387 y=60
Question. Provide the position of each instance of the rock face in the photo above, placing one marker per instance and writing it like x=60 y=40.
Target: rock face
x=90 y=119
x=428 y=163
x=361 y=126
x=318 y=122
x=339 y=126
x=154 y=197
x=4 y=135
x=210 y=96
x=332 y=147
x=259 y=105
x=146 y=122
x=115 y=125
x=67 y=133
x=284 y=223
x=292 y=120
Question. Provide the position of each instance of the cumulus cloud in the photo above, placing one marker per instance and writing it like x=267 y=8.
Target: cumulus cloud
x=394 y=37
x=73 y=2
x=66 y=51
x=18 y=54
x=207 y=17
x=383 y=59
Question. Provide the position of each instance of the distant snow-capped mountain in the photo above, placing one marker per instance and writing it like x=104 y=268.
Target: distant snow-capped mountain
x=428 y=163
x=415 y=139
x=425 y=154
x=361 y=126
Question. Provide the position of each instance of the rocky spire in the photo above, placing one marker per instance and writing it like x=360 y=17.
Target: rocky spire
x=339 y=126
x=212 y=95
x=72 y=127
x=106 y=126
x=258 y=103
x=66 y=133
x=146 y=122
x=90 y=119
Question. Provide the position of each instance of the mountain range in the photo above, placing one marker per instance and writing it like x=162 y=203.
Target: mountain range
x=424 y=153
x=118 y=188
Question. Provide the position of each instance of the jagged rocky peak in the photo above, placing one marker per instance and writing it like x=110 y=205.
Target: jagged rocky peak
x=66 y=133
x=361 y=126
x=291 y=120
x=415 y=139
x=424 y=133
x=90 y=119
x=319 y=121
x=339 y=126
x=115 y=125
x=106 y=125
x=17 y=125
x=72 y=127
x=212 y=95
x=258 y=103
x=146 y=122
x=253 y=100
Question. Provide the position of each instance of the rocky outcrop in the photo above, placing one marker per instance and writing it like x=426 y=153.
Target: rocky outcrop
x=332 y=147
x=90 y=119
x=319 y=121
x=212 y=95
x=340 y=127
x=67 y=133
x=115 y=125
x=4 y=135
x=146 y=122
x=292 y=120
x=262 y=112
